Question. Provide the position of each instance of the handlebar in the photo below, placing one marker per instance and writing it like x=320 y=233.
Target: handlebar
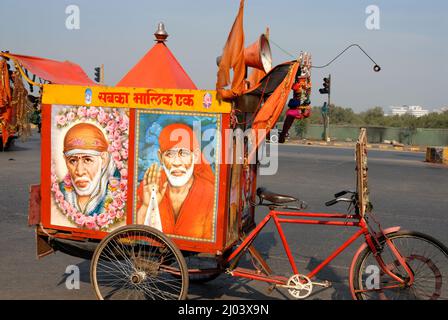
x=331 y=202
x=343 y=192
x=338 y=198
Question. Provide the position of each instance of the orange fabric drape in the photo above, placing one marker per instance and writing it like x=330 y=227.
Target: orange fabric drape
x=272 y=108
x=56 y=72
x=5 y=90
x=233 y=57
x=5 y=102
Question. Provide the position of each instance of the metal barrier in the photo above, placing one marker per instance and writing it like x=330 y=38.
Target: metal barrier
x=407 y=136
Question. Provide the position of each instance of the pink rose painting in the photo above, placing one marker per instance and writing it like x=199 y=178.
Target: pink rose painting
x=115 y=124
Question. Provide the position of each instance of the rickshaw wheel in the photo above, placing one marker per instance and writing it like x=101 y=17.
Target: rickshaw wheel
x=137 y=263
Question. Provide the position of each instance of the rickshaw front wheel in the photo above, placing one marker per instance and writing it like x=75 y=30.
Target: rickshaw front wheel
x=426 y=257
x=138 y=263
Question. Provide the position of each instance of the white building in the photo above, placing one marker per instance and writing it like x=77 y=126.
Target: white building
x=441 y=110
x=416 y=111
x=399 y=111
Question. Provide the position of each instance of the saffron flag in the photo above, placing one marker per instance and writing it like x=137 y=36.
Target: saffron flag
x=233 y=58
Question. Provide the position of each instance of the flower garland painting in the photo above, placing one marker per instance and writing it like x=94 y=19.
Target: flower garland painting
x=115 y=125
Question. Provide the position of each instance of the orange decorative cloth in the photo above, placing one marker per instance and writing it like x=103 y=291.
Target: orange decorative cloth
x=233 y=57
x=5 y=102
x=5 y=90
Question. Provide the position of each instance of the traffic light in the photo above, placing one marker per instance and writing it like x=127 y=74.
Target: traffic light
x=98 y=74
x=326 y=86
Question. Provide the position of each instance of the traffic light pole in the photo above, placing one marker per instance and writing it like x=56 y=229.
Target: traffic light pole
x=99 y=74
x=327 y=113
x=102 y=74
x=329 y=110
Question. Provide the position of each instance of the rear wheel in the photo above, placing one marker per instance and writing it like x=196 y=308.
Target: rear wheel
x=426 y=257
x=137 y=262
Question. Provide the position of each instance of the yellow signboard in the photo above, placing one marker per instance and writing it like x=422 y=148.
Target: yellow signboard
x=141 y=98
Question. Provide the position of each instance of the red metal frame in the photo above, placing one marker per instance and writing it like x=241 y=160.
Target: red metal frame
x=221 y=245
x=330 y=220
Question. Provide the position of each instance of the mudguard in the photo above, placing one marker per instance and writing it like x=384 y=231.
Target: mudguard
x=358 y=252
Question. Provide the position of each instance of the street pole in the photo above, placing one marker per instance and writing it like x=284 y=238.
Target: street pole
x=327 y=132
x=102 y=74
x=326 y=114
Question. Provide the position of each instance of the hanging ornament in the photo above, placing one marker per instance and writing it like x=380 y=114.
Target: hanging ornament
x=299 y=104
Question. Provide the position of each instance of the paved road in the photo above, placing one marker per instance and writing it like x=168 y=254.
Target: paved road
x=404 y=190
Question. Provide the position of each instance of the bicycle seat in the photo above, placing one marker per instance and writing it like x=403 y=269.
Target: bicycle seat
x=275 y=198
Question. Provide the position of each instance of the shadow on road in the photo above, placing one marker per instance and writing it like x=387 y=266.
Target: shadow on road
x=342 y=291
x=228 y=287
x=84 y=273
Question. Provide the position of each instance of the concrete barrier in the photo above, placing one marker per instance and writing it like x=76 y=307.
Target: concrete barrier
x=437 y=155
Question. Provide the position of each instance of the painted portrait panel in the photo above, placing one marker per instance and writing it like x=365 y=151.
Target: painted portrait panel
x=176 y=179
x=89 y=167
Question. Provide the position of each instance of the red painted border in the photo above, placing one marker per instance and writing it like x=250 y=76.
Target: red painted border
x=46 y=181
x=45 y=160
x=188 y=245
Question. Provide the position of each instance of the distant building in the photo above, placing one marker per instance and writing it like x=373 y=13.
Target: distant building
x=441 y=110
x=416 y=111
x=399 y=111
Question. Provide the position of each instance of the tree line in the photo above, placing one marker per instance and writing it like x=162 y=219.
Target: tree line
x=376 y=117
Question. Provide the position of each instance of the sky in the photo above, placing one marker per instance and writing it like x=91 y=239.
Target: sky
x=410 y=45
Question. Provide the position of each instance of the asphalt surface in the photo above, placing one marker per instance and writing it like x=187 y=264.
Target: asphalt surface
x=405 y=191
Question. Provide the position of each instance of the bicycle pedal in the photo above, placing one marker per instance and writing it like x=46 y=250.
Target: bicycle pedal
x=325 y=284
x=271 y=288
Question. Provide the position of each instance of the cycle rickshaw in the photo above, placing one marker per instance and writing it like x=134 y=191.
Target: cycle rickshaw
x=155 y=260
x=148 y=212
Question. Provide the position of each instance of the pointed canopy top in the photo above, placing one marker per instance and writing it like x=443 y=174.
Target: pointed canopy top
x=158 y=69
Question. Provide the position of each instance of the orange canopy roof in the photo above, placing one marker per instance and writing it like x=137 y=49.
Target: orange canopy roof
x=56 y=72
x=158 y=69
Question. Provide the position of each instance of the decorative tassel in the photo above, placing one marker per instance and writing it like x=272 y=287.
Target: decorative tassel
x=5 y=102
x=5 y=90
x=21 y=108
